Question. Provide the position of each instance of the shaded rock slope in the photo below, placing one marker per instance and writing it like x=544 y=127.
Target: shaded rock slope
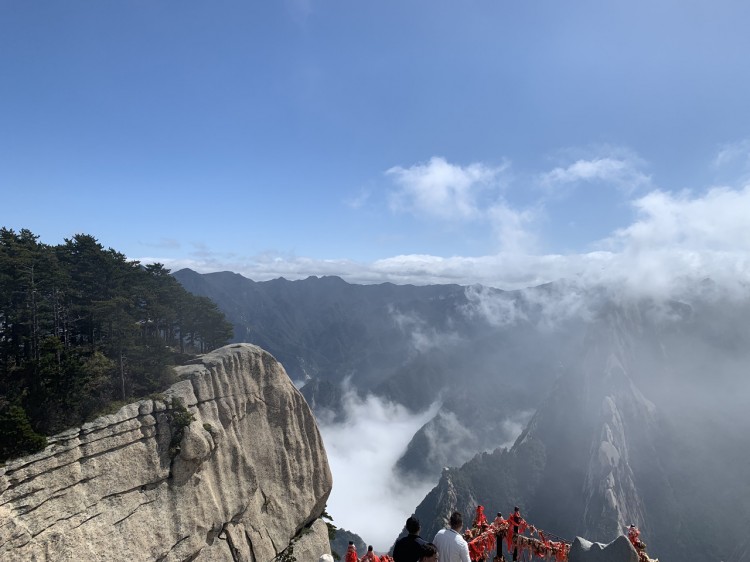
x=227 y=465
x=588 y=463
x=407 y=344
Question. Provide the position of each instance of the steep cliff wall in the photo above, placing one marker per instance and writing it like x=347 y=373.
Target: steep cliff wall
x=587 y=462
x=243 y=479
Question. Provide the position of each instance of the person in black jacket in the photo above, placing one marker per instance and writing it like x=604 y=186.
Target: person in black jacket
x=409 y=548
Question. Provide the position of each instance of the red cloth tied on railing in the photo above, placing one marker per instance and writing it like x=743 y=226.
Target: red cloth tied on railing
x=515 y=520
x=482 y=544
x=479 y=519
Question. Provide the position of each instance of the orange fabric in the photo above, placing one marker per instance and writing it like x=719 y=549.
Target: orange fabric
x=515 y=520
x=633 y=534
x=351 y=554
x=479 y=518
x=481 y=544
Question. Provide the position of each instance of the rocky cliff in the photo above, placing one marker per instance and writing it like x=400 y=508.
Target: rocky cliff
x=578 y=466
x=619 y=550
x=227 y=464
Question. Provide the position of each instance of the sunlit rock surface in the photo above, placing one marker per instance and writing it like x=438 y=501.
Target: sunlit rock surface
x=247 y=477
x=619 y=550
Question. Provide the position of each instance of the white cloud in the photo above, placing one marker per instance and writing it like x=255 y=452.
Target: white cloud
x=622 y=172
x=681 y=237
x=442 y=190
x=674 y=238
x=551 y=307
x=367 y=498
x=732 y=153
x=358 y=201
x=423 y=336
x=718 y=221
x=498 y=309
x=514 y=425
x=512 y=227
x=449 y=439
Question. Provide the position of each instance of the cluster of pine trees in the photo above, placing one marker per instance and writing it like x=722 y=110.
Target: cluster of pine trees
x=82 y=327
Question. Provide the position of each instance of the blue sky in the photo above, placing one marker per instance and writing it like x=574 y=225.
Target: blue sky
x=501 y=142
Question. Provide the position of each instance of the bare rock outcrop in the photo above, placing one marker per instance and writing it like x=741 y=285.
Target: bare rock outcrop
x=228 y=464
x=619 y=550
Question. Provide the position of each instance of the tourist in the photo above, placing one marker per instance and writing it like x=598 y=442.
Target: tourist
x=409 y=548
x=450 y=544
x=370 y=556
x=429 y=553
x=351 y=553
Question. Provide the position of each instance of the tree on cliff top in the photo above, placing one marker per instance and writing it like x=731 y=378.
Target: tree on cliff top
x=82 y=326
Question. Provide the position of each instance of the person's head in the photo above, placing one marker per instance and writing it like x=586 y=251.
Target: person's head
x=412 y=525
x=517 y=509
x=369 y=548
x=456 y=521
x=429 y=553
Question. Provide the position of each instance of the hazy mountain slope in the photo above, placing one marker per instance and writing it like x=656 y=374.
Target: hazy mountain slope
x=411 y=345
x=325 y=326
x=598 y=455
x=639 y=403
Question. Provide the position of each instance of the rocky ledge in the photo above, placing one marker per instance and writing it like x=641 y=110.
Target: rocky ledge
x=619 y=550
x=227 y=464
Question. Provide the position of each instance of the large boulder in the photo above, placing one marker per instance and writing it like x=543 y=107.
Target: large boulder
x=619 y=550
x=227 y=464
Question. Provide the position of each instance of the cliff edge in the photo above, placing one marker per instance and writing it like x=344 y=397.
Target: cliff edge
x=227 y=464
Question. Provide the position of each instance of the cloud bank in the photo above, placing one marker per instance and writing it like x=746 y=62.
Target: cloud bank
x=673 y=236
x=362 y=450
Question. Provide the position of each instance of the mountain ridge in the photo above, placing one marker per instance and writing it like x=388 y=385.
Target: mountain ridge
x=675 y=425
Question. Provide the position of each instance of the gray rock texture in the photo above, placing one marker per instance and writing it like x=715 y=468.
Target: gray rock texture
x=241 y=481
x=619 y=550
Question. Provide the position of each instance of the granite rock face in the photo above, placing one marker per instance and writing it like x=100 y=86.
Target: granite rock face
x=619 y=550
x=240 y=481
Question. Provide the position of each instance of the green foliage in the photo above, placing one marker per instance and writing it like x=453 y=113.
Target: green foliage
x=82 y=328
x=329 y=523
x=179 y=419
x=16 y=435
x=287 y=555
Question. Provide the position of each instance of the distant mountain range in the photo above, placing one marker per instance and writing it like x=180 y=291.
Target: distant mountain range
x=634 y=408
x=413 y=345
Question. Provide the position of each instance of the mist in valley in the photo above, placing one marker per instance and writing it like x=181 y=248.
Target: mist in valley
x=407 y=380
x=683 y=343
x=502 y=250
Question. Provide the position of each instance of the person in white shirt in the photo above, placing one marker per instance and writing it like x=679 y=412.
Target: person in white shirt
x=450 y=544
